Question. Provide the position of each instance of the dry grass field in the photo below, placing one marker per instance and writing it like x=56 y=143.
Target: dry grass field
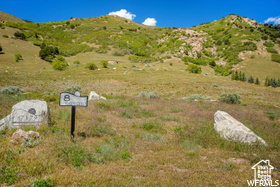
x=129 y=140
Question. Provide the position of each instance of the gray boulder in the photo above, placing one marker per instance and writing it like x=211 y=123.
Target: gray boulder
x=27 y=113
x=231 y=129
x=94 y=96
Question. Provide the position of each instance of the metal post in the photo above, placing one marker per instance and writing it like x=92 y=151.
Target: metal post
x=73 y=122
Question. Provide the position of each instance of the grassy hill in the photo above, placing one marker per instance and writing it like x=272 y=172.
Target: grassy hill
x=4 y=17
x=129 y=140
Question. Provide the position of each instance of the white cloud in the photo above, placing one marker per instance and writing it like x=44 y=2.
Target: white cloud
x=123 y=13
x=150 y=22
x=275 y=20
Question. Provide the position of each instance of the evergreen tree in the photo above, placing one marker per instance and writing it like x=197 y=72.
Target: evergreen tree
x=251 y=79
x=269 y=82
x=233 y=76
x=266 y=81
x=244 y=77
x=257 y=81
x=274 y=83
x=240 y=76
x=236 y=76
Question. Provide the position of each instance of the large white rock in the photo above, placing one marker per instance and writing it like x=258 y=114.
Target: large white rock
x=27 y=113
x=94 y=96
x=231 y=129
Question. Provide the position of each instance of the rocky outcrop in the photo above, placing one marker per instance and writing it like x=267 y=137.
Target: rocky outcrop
x=233 y=130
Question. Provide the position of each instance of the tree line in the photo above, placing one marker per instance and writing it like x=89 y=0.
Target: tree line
x=239 y=76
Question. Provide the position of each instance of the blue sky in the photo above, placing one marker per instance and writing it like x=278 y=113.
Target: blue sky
x=166 y=13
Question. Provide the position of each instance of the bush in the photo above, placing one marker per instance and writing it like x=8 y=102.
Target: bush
x=91 y=66
x=268 y=44
x=20 y=35
x=60 y=64
x=230 y=98
x=12 y=90
x=198 y=97
x=5 y=36
x=151 y=95
x=48 y=53
x=251 y=80
x=104 y=63
x=1 y=48
x=275 y=57
x=47 y=182
x=121 y=52
x=192 y=68
x=18 y=57
x=73 y=89
x=271 y=50
x=76 y=63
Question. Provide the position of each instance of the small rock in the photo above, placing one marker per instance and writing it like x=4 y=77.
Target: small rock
x=20 y=136
x=94 y=96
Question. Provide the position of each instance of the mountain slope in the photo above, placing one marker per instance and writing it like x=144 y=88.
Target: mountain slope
x=4 y=17
x=225 y=42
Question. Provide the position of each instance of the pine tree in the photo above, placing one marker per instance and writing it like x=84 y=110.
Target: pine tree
x=251 y=79
x=257 y=81
x=266 y=81
x=239 y=76
x=269 y=82
x=233 y=76
x=244 y=77
x=236 y=76
x=274 y=83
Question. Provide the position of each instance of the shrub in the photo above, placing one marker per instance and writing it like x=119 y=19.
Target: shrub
x=192 y=68
x=244 y=77
x=60 y=64
x=91 y=66
x=274 y=83
x=212 y=63
x=198 y=97
x=20 y=35
x=102 y=49
x=268 y=44
x=151 y=95
x=8 y=174
x=18 y=57
x=230 y=98
x=251 y=80
x=47 y=182
x=48 y=53
x=1 y=48
x=257 y=81
x=271 y=50
x=76 y=62
x=104 y=63
x=121 y=52
x=5 y=36
x=73 y=89
x=275 y=57
x=12 y=90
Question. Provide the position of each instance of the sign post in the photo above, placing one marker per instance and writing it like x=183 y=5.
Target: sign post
x=68 y=99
